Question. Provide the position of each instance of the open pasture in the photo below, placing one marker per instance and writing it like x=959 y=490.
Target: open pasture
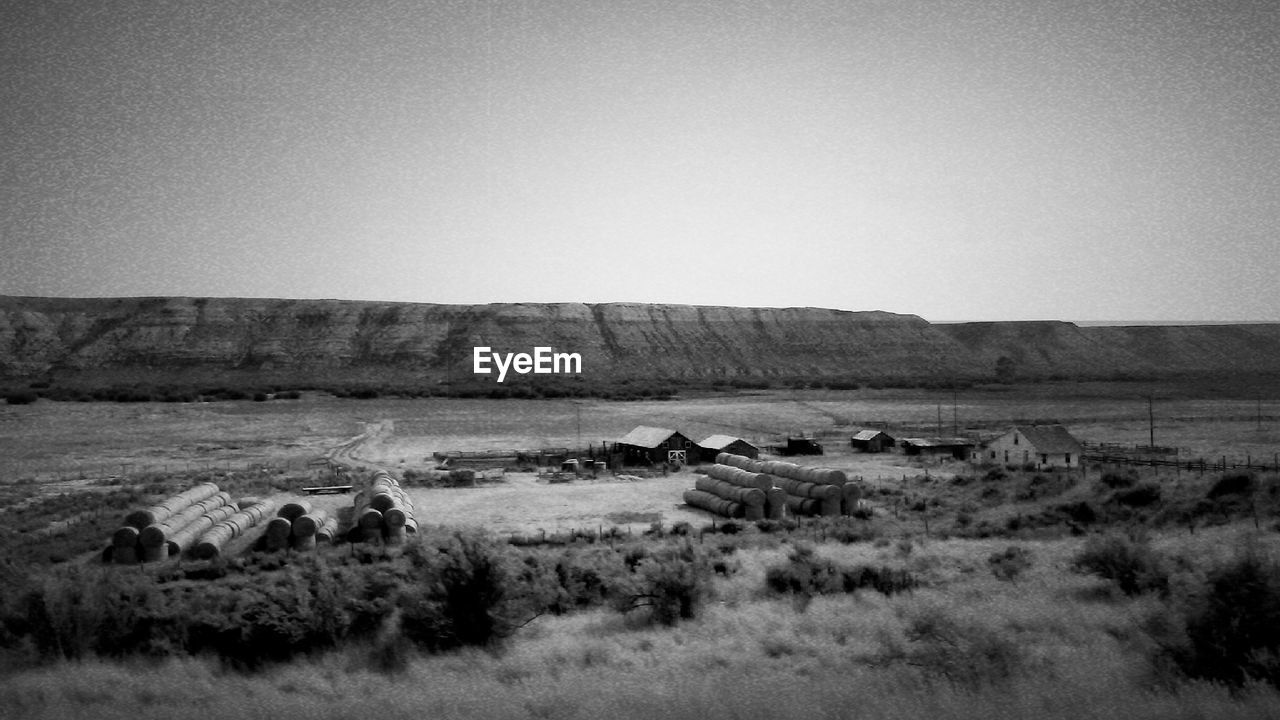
x=52 y=440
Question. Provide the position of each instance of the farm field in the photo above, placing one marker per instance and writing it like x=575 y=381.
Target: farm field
x=971 y=637
x=52 y=440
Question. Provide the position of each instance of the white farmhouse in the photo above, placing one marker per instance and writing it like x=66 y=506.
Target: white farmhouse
x=1039 y=446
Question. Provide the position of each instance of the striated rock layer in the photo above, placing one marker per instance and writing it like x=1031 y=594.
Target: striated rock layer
x=316 y=341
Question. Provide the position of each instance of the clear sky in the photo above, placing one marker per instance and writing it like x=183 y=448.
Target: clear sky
x=993 y=160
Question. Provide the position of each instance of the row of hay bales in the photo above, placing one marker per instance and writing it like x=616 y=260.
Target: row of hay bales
x=252 y=513
x=383 y=511
x=299 y=526
x=739 y=487
x=174 y=526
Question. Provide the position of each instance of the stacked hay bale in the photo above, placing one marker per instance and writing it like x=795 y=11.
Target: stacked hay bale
x=296 y=526
x=731 y=492
x=383 y=510
x=147 y=533
x=153 y=540
x=809 y=490
x=212 y=542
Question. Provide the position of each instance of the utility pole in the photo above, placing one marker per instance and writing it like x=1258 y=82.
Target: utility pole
x=955 y=413
x=1151 y=421
x=939 y=419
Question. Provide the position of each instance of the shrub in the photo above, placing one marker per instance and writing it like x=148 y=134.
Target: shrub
x=1138 y=496
x=1233 y=631
x=1233 y=484
x=806 y=574
x=20 y=397
x=673 y=583
x=964 y=653
x=1129 y=562
x=1010 y=564
x=1119 y=480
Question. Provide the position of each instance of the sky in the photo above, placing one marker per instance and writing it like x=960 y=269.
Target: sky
x=957 y=160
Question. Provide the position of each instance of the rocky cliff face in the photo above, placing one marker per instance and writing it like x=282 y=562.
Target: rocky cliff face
x=302 y=341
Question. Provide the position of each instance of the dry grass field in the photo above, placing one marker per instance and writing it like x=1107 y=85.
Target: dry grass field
x=1053 y=643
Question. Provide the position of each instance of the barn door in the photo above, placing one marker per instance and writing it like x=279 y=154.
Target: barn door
x=677 y=457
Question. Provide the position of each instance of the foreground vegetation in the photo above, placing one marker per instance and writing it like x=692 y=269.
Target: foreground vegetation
x=755 y=622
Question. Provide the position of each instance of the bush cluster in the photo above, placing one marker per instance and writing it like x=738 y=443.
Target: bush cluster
x=806 y=574
x=445 y=590
x=1128 y=561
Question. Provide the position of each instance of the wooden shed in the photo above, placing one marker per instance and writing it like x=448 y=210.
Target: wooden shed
x=958 y=448
x=1039 y=446
x=872 y=441
x=647 y=445
x=716 y=444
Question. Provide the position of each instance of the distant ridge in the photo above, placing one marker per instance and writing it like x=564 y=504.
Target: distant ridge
x=186 y=340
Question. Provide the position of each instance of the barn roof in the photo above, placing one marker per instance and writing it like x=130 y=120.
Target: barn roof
x=937 y=442
x=870 y=434
x=720 y=442
x=1050 y=438
x=646 y=437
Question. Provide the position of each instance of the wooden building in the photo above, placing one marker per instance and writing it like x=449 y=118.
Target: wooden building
x=647 y=445
x=716 y=444
x=1038 y=446
x=872 y=441
x=958 y=448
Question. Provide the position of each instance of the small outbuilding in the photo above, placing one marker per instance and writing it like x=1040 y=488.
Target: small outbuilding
x=958 y=448
x=647 y=445
x=717 y=444
x=1040 y=446
x=872 y=441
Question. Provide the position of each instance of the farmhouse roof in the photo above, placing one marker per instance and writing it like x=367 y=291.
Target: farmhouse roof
x=1050 y=438
x=646 y=437
x=720 y=442
x=869 y=434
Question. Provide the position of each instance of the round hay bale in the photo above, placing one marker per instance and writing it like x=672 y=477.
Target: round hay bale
x=309 y=524
x=803 y=506
x=124 y=554
x=370 y=519
x=154 y=554
x=740 y=477
x=278 y=532
x=711 y=503
x=328 y=531
x=775 y=503
x=396 y=535
x=293 y=510
x=832 y=476
x=126 y=536
x=850 y=494
x=306 y=542
x=800 y=488
x=382 y=501
x=396 y=517
x=728 y=491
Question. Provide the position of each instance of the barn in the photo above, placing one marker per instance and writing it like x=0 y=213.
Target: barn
x=872 y=441
x=647 y=445
x=958 y=448
x=1041 y=446
x=716 y=444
